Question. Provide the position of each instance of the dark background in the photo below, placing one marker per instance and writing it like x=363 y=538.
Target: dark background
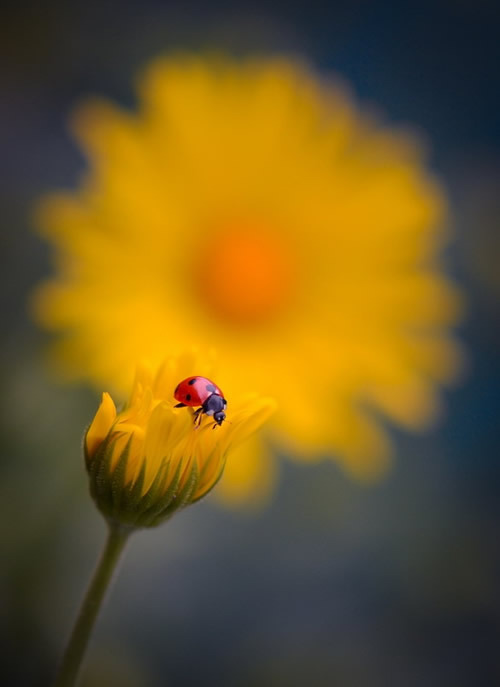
x=332 y=583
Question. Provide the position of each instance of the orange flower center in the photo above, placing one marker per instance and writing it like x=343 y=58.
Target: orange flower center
x=245 y=274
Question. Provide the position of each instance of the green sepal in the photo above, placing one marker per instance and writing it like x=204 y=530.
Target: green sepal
x=126 y=503
x=134 y=491
x=183 y=498
x=118 y=477
x=100 y=474
x=152 y=514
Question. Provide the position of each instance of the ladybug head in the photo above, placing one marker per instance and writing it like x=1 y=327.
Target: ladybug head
x=219 y=417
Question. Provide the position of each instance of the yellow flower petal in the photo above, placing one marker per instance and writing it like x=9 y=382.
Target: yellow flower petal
x=165 y=429
x=248 y=416
x=101 y=424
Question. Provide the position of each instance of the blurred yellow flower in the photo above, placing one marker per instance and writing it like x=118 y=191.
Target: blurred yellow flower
x=250 y=209
x=150 y=460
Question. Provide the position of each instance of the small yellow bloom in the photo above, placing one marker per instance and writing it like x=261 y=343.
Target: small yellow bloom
x=149 y=460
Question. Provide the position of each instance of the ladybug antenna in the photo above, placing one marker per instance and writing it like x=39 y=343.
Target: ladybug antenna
x=217 y=424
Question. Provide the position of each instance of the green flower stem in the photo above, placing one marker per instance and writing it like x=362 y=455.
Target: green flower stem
x=75 y=650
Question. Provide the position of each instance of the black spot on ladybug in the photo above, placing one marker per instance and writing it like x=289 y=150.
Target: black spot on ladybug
x=188 y=397
x=192 y=381
x=210 y=388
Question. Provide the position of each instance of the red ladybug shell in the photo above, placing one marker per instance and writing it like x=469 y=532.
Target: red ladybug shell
x=194 y=391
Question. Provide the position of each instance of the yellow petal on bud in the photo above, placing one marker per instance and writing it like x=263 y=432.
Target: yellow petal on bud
x=251 y=414
x=165 y=429
x=131 y=435
x=101 y=424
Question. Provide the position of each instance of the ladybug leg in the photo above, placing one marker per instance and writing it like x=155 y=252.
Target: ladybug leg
x=197 y=417
x=180 y=405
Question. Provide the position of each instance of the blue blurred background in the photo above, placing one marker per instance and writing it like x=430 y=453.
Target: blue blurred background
x=333 y=583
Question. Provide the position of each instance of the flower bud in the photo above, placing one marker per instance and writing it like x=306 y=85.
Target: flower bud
x=149 y=460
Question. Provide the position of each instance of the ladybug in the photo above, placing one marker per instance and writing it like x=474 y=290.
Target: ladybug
x=200 y=391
